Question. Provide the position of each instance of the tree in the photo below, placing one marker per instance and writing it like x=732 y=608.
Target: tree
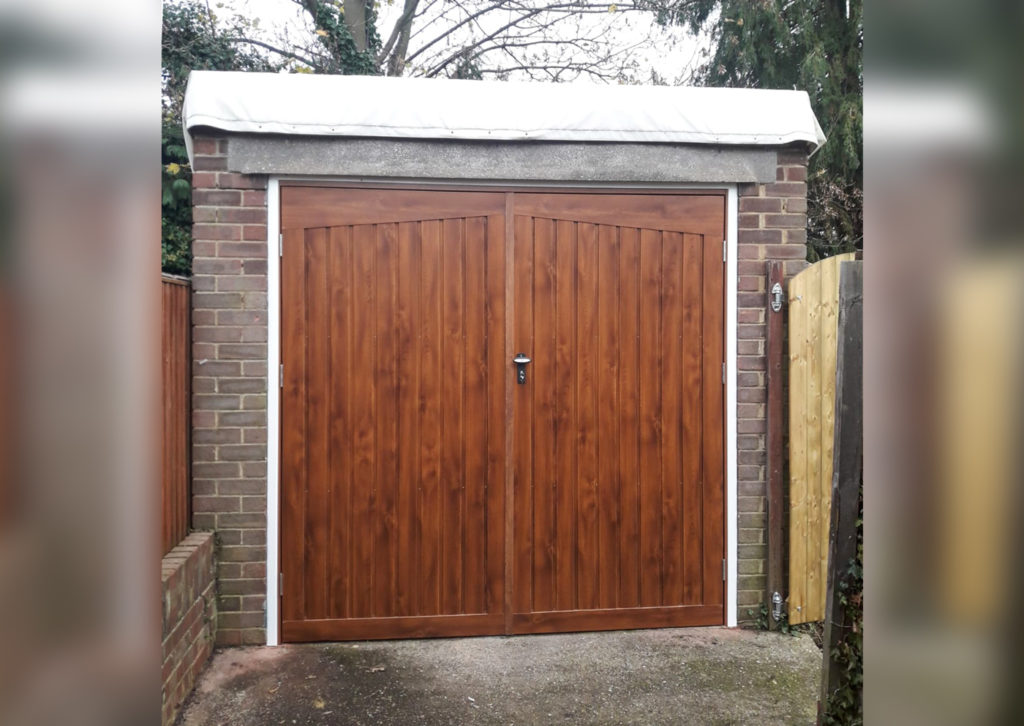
x=549 y=39
x=192 y=38
x=814 y=45
x=546 y=39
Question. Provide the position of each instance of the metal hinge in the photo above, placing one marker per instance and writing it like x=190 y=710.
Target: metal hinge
x=724 y=570
x=280 y=376
x=280 y=245
x=280 y=584
x=725 y=250
x=723 y=373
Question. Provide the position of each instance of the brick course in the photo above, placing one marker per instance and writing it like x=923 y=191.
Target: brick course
x=772 y=225
x=189 y=614
x=230 y=371
x=229 y=276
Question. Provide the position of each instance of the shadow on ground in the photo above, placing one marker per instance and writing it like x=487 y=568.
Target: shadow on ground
x=691 y=676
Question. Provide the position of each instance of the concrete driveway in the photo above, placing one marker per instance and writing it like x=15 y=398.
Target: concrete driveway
x=685 y=676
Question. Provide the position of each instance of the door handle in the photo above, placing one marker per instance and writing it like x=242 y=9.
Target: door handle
x=521 y=360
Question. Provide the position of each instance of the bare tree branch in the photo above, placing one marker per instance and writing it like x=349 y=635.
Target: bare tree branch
x=280 y=51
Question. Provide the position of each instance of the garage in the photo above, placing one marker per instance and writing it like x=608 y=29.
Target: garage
x=484 y=358
x=431 y=488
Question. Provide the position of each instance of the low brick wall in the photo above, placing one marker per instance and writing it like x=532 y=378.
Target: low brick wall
x=189 y=618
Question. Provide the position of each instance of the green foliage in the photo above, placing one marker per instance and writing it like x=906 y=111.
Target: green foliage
x=176 y=187
x=845 y=704
x=335 y=38
x=192 y=39
x=813 y=45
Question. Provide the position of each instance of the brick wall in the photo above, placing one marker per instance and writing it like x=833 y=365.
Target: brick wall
x=189 y=615
x=229 y=386
x=772 y=226
x=230 y=371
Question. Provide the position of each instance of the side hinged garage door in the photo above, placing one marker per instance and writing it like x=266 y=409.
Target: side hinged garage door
x=424 y=489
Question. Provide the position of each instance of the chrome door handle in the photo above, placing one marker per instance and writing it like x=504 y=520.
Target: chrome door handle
x=521 y=360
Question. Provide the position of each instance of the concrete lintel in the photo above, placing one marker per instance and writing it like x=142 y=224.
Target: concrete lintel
x=535 y=161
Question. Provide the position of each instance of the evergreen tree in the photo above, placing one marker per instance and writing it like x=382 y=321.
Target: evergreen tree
x=191 y=39
x=811 y=45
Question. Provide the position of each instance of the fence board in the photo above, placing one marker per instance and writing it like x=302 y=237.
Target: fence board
x=813 y=321
x=176 y=356
x=848 y=449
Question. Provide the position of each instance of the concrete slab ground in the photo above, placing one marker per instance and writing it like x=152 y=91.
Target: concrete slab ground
x=650 y=677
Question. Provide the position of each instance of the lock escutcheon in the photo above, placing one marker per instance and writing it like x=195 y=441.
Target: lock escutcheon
x=521 y=360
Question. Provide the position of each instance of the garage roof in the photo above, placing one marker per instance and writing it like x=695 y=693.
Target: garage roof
x=421 y=108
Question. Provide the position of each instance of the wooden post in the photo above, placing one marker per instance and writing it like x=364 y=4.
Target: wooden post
x=848 y=463
x=775 y=317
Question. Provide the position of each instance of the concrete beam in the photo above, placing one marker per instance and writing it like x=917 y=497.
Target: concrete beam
x=533 y=161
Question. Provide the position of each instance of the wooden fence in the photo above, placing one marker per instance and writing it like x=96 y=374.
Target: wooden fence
x=813 y=326
x=175 y=511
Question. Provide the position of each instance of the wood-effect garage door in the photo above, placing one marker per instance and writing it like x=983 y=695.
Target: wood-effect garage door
x=423 y=490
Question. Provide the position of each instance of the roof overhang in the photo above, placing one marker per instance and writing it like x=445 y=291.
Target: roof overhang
x=425 y=109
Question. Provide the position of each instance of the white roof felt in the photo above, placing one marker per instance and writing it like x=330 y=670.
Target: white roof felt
x=421 y=108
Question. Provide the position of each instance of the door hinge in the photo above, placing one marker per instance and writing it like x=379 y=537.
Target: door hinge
x=280 y=376
x=725 y=570
x=280 y=584
x=725 y=250
x=280 y=245
x=723 y=373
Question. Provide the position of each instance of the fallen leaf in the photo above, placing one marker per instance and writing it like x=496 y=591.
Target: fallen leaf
x=319 y=703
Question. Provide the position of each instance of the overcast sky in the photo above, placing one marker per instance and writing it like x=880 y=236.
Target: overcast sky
x=673 y=54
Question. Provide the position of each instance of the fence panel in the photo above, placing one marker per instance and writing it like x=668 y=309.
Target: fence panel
x=813 y=325
x=176 y=381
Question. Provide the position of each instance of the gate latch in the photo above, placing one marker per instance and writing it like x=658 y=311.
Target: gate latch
x=776 y=297
x=521 y=360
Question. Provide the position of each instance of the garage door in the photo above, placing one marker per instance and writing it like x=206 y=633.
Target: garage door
x=429 y=489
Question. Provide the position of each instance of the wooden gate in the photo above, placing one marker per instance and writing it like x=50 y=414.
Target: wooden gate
x=813 y=326
x=424 y=492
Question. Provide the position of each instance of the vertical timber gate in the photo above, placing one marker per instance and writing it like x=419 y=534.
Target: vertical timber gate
x=425 y=491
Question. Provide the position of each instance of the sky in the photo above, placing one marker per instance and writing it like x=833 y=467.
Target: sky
x=673 y=53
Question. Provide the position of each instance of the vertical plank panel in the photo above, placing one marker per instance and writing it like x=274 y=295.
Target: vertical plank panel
x=293 y=421
x=497 y=420
x=798 y=372
x=629 y=432
x=828 y=341
x=317 y=422
x=176 y=376
x=453 y=348
x=565 y=415
x=812 y=351
x=523 y=418
x=586 y=406
x=364 y=509
x=341 y=430
x=408 y=430
x=694 y=353
x=541 y=383
x=713 y=389
x=430 y=506
x=813 y=320
x=608 y=418
x=476 y=427
x=672 y=444
x=650 y=422
x=386 y=472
